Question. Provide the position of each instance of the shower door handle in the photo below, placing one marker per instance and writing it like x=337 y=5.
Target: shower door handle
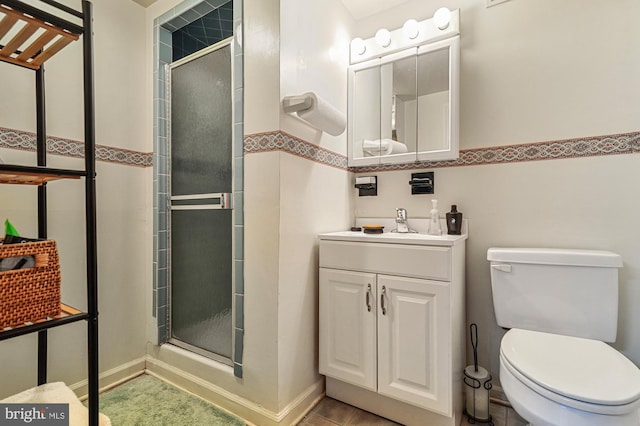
x=212 y=201
x=225 y=200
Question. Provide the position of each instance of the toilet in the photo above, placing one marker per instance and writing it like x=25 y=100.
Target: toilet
x=560 y=307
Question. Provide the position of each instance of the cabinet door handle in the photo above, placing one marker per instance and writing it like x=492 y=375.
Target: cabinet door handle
x=368 y=301
x=384 y=309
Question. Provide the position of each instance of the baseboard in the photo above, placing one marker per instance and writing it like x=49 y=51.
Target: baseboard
x=309 y=407
x=112 y=377
x=293 y=412
x=235 y=404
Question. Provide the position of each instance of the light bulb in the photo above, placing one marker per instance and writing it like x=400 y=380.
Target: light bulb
x=357 y=46
x=411 y=29
x=383 y=37
x=442 y=17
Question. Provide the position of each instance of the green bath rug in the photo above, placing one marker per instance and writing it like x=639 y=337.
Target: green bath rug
x=148 y=401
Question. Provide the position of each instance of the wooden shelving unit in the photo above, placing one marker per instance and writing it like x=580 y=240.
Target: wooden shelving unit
x=22 y=175
x=31 y=36
x=67 y=315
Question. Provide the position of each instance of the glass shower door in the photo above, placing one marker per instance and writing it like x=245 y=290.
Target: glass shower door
x=201 y=211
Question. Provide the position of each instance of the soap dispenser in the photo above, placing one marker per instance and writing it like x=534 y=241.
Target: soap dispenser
x=454 y=221
x=434 y=223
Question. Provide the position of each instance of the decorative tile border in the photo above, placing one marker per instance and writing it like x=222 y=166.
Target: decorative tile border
x=626 y=143
x=26 y=141
x=282 y=141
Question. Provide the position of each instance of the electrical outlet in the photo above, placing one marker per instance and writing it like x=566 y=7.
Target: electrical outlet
x=495 y=2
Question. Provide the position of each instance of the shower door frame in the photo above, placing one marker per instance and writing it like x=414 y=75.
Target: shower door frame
x=225 y=198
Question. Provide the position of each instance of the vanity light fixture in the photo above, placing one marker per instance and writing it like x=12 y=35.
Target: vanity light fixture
x=383 y=37
x=445 y=23
x=411 y=29
x=357 y=46
x=441 y=18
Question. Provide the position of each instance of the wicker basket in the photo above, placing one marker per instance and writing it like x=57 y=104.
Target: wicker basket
x=30 y=294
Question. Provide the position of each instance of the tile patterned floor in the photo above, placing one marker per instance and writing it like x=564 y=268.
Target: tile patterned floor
x=330 y=412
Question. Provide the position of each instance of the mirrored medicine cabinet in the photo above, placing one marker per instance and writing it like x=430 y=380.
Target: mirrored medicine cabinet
x=403 y=106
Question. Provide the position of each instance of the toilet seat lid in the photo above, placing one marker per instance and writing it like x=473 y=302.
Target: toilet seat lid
x=582 y=369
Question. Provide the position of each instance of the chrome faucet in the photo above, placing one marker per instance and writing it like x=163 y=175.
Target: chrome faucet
x=401 y=221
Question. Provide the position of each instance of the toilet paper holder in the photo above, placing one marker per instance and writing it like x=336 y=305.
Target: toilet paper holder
x=478 y=385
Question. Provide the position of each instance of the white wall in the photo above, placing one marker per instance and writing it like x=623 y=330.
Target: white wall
x=314 y=56
x=123 y=202
x=314 y=198
x=537 y=71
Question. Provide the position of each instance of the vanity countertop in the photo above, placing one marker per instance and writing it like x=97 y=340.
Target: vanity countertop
x=420 y=237
x=395 y=238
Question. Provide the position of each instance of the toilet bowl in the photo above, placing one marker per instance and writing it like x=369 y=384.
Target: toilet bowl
x=554 y=380
x=561 y=305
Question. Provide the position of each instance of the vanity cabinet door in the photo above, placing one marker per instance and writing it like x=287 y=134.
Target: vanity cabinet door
x=348 y=326
x=414 y=359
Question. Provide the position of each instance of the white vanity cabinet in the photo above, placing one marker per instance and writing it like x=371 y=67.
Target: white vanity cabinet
x=391 y=327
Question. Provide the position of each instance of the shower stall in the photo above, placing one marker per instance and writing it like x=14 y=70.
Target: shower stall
x=198 y=164
x=201 y=202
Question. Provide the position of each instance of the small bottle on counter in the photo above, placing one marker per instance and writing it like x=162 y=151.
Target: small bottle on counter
x=454 y=221
x=434 y=222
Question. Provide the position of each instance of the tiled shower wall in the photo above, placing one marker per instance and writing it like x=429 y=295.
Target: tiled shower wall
x=215 y=26
x=188 y=12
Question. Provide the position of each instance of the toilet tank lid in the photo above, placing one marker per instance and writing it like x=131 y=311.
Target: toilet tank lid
x=553 y=256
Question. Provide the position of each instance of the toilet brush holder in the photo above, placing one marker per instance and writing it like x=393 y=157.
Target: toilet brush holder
x=478 y=385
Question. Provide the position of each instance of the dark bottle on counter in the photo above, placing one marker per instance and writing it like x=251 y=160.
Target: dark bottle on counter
x=454 y=221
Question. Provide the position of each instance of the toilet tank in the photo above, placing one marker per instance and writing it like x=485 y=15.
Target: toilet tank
x=560 y=291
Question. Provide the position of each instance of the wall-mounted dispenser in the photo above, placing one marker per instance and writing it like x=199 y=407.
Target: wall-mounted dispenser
x=317 y=112
x=422 y=183
x=367 y=185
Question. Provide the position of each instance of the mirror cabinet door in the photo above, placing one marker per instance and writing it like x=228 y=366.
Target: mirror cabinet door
x=364 y=111
x=437 y=101
x=399 y=109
